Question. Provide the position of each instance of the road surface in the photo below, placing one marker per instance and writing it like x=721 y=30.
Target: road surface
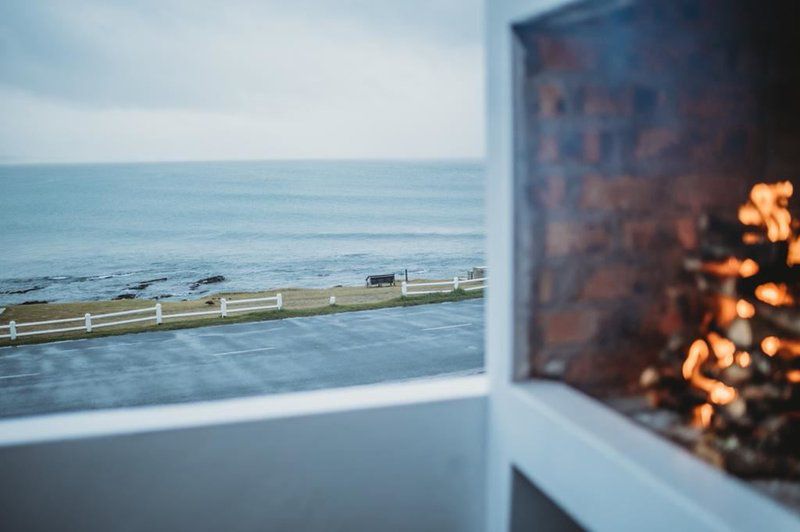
x=242 y=359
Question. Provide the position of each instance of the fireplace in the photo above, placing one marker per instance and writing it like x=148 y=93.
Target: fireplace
x=653 y=135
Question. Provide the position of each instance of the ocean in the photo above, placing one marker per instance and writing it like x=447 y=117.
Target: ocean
x=96 y=231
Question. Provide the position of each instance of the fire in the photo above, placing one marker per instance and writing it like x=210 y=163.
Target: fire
x=793 y=375
x=793 y=256
x=726 y=268
x=749 y=268
x=745 y=309
x=723 y=349
x=767 y=207
x=751 y=238
x=702 y=415
x=774 y=294
x=743 y=359
x=718 y=392
x=698 y=353
x=721 y=394
x=770 y=345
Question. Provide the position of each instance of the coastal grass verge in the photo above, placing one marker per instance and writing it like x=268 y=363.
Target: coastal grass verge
x=298 y=304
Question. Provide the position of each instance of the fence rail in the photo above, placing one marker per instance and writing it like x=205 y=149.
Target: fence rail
x=89 y=321
x=410 y=289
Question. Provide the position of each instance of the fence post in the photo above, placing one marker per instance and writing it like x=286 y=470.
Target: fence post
x=455 y=283
x=159 y=317
x=223 y=307
x=280 y=301
x=333 y=300
x=87 y=318
x=12 y=329
x=404 y=288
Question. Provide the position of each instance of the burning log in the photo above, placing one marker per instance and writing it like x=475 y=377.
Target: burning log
x=736 y=374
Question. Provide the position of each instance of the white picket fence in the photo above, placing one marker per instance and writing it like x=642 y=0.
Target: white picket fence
x=409 y=289
x=89 y=322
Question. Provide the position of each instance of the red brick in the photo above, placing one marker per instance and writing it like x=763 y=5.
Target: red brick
x=591 y=146
x=565 y=54
x=551 y=101
x=546 y=286
x=655 y=141
x=618 y=193
x=686 y=231
x=639 y=233
x=564 y=238
x=594 y=371
x=610 y=282
x=553 y=192
x=570 y=326
x=606 y=101
x=548 y=149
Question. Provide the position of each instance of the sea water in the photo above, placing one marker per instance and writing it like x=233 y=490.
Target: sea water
x=95 y=231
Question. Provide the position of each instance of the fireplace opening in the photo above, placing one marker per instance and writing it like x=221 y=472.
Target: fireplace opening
x=657 y=220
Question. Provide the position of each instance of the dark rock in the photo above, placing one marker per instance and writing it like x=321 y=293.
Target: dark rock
x=208 y=280
x=34 y=302
x=144 y=284
x=209 y=302
x=125 y=296
x=23 y=291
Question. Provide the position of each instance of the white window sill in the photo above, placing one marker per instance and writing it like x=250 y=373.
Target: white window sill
x=57 y=427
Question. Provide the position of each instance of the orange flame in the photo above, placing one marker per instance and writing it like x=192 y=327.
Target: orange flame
x=767 y=207
x=723 y=349
x=774 y=294
x=698 y=353
x=793 y=375
x=748 y=268
x=743 y=359
x=726 y=268
x=793 y=256
x=770 y=345
x=701 y=415
x=744 y=309
x=718 y=392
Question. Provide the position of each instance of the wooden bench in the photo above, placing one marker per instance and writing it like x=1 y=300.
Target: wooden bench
x=380 y=280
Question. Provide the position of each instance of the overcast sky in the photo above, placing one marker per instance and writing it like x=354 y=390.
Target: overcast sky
x=174 y=80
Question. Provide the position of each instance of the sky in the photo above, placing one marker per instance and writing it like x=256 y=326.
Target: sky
x=91 y=80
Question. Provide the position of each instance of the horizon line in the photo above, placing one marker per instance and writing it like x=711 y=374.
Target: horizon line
x=243 y=160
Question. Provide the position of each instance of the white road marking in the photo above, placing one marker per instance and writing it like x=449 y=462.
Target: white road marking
x=447 y=327
x=19 y=375
x=242 y=351
x=238 y=333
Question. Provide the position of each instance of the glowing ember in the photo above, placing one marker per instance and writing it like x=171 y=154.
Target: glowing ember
x=770 y=345
x=721 y=393
x=744 y=309
x=702 y=415
x=767 y=207
x=774 y=294
x=718 y=392
x=723 y=349
x=751 y=238
x=726 y=310
x=793 y=375
x=726 y=268
x=743 y=359
x=748 y=268
x=698 y=353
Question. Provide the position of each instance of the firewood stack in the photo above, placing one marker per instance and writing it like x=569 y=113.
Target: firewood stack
x=734 y=373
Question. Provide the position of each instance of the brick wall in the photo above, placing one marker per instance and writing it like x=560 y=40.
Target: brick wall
x=636 y=122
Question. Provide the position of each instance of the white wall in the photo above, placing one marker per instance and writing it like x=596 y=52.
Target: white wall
x=417 y=466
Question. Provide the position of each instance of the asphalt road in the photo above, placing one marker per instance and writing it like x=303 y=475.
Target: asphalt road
x=243 y=359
